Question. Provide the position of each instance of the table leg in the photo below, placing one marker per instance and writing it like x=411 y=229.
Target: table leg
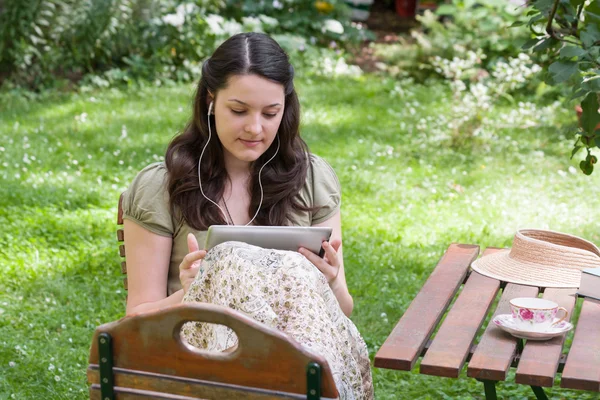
x=539 y=393
x=490 y=389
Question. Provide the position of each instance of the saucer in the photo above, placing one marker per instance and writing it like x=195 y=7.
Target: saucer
x=507 y=323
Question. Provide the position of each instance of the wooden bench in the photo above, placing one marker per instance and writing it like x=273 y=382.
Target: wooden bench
x=489 y=360
x=143 y=356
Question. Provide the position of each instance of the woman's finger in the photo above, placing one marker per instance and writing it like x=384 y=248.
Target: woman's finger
x=191 y=258
x=192 y=243
x=331 y=254
x=329 y=271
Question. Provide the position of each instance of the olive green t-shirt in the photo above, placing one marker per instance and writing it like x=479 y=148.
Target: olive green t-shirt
x=146 y=202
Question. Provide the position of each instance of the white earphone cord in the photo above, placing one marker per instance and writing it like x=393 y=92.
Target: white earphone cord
x=259 y=175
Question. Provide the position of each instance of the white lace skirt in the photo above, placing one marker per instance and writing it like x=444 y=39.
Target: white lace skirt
x=283 y=290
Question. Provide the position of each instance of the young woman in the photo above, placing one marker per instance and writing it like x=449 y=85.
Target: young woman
x=240 y=160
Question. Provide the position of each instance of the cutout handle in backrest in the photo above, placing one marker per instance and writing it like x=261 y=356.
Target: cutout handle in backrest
x=265 y=358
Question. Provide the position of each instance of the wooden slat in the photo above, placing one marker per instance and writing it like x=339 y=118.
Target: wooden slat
x=125 y=283
x=122 y=250
x=582 y=370
x=403 y=347
x=124 y=267
x=496 y=350
x=450 y=348
x=539 y=360
x=148 y=385
x=120 y=235
x=120 y=211
x=265 y=357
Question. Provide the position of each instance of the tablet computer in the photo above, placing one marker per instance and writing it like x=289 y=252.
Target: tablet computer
x=270 y=237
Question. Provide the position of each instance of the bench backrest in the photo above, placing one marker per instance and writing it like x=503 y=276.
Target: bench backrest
x=143 y=356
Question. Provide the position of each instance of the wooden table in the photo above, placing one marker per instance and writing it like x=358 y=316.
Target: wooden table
x=489 y=360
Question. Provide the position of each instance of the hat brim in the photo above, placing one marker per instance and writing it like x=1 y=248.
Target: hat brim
x=504 y=268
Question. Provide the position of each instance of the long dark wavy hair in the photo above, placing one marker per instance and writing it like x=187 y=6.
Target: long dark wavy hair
x=282 y=178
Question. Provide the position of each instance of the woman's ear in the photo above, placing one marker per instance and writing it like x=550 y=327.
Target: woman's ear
x=209 y=98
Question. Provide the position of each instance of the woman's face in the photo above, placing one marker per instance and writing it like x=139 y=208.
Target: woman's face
x=248 y=113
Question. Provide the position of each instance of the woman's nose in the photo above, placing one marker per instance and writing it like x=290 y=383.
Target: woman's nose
x=254 y=126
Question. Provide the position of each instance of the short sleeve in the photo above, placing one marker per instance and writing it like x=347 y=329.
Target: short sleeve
x=146 y=201
x=326 y=190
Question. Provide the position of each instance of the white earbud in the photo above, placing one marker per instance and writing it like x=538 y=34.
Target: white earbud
x=210 y=106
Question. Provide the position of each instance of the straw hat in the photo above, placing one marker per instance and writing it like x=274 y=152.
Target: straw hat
x=541 y=258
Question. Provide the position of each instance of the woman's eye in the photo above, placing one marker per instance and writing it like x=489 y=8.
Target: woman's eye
x=240 y=112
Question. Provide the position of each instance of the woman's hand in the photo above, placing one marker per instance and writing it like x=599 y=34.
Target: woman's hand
x=189 y=267
x=329 y=265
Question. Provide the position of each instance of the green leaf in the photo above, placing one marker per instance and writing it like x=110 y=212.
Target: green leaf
x=529 y=44
x=586 y=166
x=579 y=93
x=575 y=150
x=544 y=5
x=545 y=44
x=590 y=117
x=517 y=23
x=591 y=84
x=560 y=71
x=592 y=12
x=590 y=35
x=576 y=3
x=571 y=51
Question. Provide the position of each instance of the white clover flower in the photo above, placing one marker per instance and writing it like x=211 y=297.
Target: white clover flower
x=57 y=378
x=277 y=5
x=81 y=118
x=51 y=367
x=12 y=364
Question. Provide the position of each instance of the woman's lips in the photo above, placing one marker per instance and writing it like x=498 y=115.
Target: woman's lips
x=250 y=143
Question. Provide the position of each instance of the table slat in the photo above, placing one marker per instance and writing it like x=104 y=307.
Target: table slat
x=496 y=350
x=403 y=347
x=450 y=347
x=539 y=361
x=582 y=370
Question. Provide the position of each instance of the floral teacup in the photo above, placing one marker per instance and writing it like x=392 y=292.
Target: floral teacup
x=535 y=314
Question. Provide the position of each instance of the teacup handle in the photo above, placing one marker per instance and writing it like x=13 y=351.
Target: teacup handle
x=564 y=316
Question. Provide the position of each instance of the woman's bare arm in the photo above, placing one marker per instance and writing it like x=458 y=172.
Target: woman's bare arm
x=148 y=256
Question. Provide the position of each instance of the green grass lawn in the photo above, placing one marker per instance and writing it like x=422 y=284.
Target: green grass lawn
x=408 y=192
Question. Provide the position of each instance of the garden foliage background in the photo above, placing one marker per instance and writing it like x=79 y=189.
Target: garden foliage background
x=451 y=135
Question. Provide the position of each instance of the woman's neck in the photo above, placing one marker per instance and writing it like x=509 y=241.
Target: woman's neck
x=237 y=170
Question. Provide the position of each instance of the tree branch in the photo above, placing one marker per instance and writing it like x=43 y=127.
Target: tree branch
x=549 y=29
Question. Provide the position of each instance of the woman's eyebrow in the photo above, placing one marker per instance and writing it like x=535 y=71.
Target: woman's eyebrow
x=241 y=102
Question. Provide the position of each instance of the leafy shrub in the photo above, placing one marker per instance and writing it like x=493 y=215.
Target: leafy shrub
x=568 y=32
x=108 y=42
x=455 y=29
x=323 y=21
